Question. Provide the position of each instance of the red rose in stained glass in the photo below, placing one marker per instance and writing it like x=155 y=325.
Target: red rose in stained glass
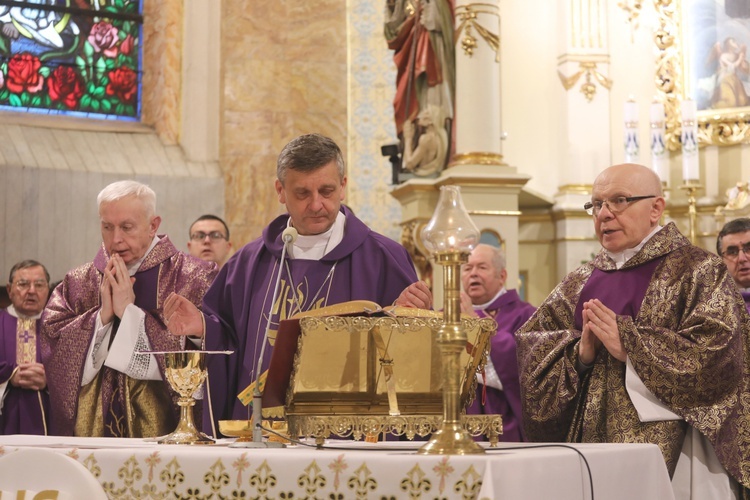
x=123 y=83
x=65 y=86
x=103 y=37
x=23 y=73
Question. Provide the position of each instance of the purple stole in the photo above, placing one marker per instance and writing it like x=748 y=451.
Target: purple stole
x=746 y=298
x=622 y=290
x=23 y=411
x=113 y=382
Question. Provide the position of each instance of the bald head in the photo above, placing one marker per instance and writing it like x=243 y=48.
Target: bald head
x=631 y=201
x=638 y=174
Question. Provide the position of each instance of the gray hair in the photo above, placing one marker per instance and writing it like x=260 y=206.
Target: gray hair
x=307 y=153
x=121 y=189
x=735 y=226
x=25 y=264
x=498 y=257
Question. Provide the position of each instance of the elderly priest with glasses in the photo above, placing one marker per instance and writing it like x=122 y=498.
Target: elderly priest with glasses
x=733 y=244
x=645 y=343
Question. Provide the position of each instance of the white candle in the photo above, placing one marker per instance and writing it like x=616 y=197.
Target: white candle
x=659 y=157
x=689 y=137
x=632 y=148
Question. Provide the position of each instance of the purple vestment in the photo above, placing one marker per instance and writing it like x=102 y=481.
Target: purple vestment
x=746 y=297
x=368 y=266
x=684 y=328
x=69 y=321
x=511 y=313
x=23 y=412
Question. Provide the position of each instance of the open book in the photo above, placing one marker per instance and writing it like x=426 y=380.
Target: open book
x=275 y=381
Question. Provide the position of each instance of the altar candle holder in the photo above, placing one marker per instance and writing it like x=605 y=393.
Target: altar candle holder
x=450 y=236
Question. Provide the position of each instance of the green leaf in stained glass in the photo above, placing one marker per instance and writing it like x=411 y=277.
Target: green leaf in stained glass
x=129 y=110
x=81 y=64
x=125 y=29
x=110 y=63
x=36 y=101
x=4 y=94
x=15 y=100
x=90 y=86
x=25 y=98
x=88 y=49
x=120 y=109
x=106 y=106
x=94 y=104
x=44 y=71
x=85 y=101
x=101 y=67
x=98 y=92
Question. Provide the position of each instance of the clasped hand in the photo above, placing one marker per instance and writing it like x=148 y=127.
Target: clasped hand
x=29 y=376
x=116 y=289
x=599 y=328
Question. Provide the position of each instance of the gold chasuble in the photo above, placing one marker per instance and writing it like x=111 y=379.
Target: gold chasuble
x=686 y=337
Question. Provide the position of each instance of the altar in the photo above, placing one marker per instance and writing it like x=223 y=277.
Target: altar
x=137 y=468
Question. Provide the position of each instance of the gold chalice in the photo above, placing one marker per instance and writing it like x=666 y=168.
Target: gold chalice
x=185 y=371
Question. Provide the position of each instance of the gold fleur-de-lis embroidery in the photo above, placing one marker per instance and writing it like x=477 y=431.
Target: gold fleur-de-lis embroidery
x=172 y=474
x=263 y=479
x=89 y=462
x=362 y=481
x=415 y=483
x=469 y=484
x=312 y=480
x=216 y=477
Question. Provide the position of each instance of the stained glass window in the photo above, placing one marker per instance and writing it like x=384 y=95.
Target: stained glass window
x=72 y=57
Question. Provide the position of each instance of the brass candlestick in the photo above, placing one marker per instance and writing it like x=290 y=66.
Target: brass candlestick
x=449 y=236
x=691 y=187
x=452 y=438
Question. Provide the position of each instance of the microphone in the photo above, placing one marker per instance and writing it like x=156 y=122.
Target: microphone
x=289 y=236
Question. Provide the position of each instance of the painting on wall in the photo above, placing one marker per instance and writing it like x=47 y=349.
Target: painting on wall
x=703 y=55
x=716 y=37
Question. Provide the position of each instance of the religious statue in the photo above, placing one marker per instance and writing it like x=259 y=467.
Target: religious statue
x=737 y=196
x=421 y=34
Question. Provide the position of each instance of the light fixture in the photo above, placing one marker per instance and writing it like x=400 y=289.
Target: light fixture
x=450 y=236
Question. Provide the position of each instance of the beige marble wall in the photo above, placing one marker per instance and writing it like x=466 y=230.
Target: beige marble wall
x=284 y=71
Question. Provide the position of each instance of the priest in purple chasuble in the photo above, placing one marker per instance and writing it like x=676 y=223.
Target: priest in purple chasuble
x=646 y=343
x=484 y=295
x=336 y=258
x=24 y=402
x=104 y=314
x=733 y=244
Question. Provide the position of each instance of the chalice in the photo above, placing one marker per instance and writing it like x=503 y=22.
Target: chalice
x=185 y=371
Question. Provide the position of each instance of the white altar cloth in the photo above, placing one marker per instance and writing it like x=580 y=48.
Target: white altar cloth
x=135 y=468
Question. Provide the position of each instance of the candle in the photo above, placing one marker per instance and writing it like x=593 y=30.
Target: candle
x=689 y=138
x=659 y=158
x=630 y=114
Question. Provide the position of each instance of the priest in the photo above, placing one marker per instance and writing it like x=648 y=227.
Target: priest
x=105 y=314
x=24 y=402
x=733 y=244
x=484 y=295
x=336 y=258
x=645 y=343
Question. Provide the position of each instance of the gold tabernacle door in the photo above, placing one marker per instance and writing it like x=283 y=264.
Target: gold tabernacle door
x=355 y=369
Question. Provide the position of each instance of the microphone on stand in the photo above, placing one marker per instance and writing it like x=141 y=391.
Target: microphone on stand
x=288 y=237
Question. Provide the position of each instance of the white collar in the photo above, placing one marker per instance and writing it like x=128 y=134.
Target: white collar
x=621 y=258
x=315 y=246
x=12 y=311
x=493 y=299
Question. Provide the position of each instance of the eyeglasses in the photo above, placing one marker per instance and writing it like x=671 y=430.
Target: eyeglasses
x=616 y=204
x=25 y=284
x=733 y=252
x=214 y=235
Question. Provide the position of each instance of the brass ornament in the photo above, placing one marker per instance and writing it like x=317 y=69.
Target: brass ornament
x=588 y=88
x=467 y=17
